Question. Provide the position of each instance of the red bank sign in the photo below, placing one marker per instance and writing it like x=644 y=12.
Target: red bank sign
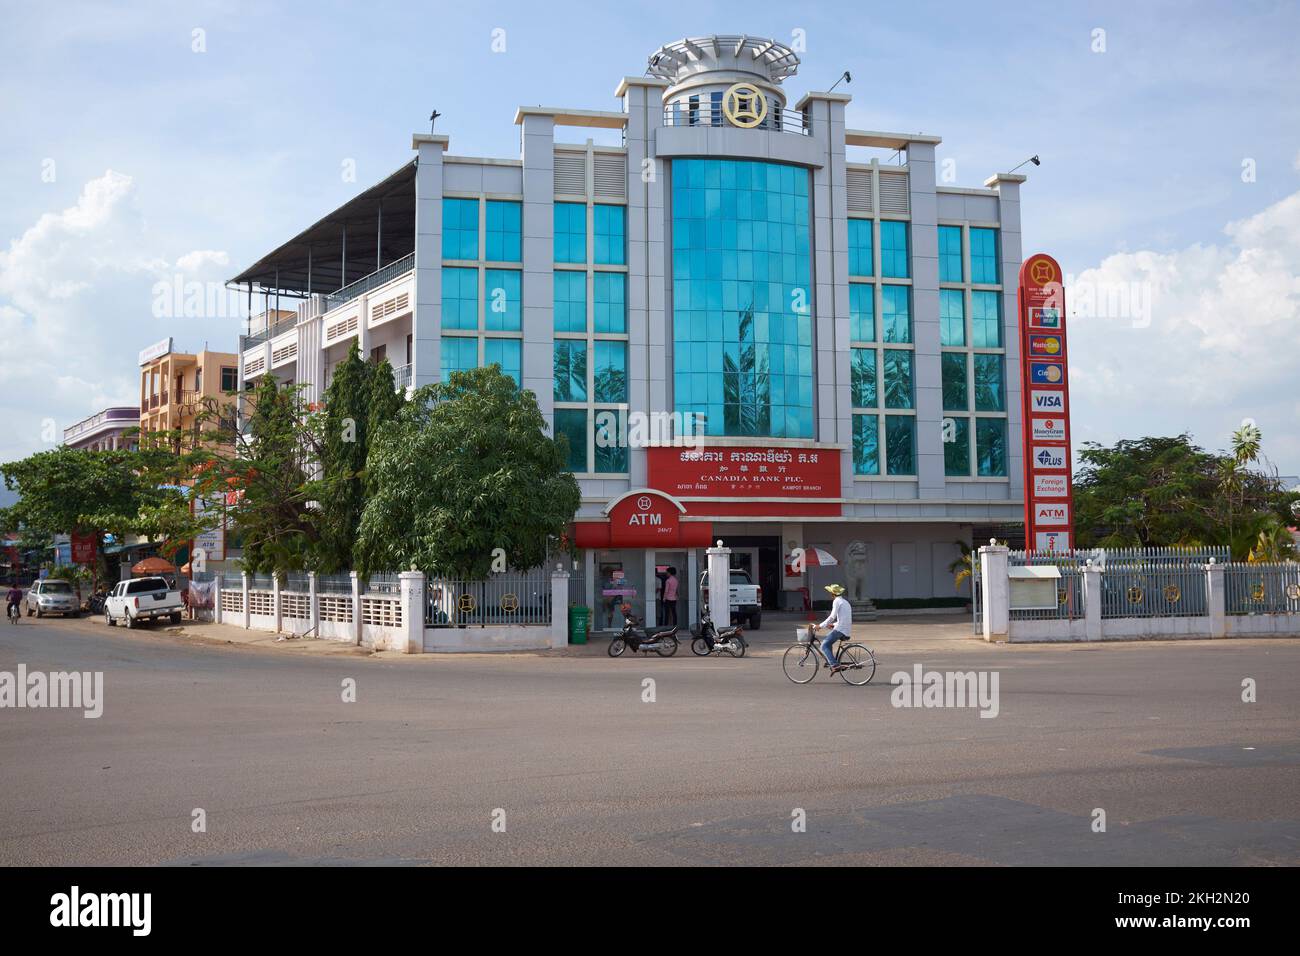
x=794 y=481
x=1045 y=384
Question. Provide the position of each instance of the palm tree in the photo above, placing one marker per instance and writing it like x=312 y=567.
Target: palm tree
x=1274 y=543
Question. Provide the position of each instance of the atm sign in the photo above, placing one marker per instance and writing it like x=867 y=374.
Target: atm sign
x=1051 y=514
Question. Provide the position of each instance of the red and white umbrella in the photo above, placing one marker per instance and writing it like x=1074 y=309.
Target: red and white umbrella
x=801 y=559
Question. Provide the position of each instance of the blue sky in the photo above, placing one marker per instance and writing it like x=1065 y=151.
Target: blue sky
x=218 y=156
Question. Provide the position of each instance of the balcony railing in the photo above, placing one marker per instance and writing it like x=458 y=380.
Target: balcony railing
x=256 y=337
x=778 y=119
x=401 y=377
x=377 y=278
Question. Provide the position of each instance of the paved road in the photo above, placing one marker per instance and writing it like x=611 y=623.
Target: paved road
x=1155 y=734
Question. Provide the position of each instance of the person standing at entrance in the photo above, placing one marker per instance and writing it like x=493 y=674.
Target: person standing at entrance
x=670 y=597
x=840 y=622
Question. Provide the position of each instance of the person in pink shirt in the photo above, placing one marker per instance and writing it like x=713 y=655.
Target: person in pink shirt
x=670 y=597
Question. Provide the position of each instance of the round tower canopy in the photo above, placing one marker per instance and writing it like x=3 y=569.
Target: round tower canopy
x=685 y=63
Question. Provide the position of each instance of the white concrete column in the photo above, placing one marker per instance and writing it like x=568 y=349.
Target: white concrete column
x=1216 y=599
x=559 y=607
x=313 y=604
x=244 y=576
x=356 y=607
x=995 y=585
x=411 y=588
x=692 y=587
x=275 y=600
x=719 y=565
x=426 y=322
x=1092 y=601
x=216 y=598
x=651 y=606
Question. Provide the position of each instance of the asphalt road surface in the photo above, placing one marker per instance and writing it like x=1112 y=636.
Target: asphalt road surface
x=581 y=770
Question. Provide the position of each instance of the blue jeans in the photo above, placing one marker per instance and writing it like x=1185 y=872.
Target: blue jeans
x=828 y=646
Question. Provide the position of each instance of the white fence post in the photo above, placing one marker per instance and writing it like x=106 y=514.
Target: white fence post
x=1092 y=602
x=559 y=607
x=719 y=585
x=275 y=599
x=216 y=598
x=244 y=576
x=411 y=588
x=313 y=604
x=1216 y=599
x=995 y=583
x=356 y=608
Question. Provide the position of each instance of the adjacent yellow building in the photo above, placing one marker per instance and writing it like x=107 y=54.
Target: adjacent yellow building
x=174 y=384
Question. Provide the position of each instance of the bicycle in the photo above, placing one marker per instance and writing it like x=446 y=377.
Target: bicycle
x=13 y=613
x=803 y=659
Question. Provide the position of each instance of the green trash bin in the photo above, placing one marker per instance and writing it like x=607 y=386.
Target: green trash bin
x=579 y=620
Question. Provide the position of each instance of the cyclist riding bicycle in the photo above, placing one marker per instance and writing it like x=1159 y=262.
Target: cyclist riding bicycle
x=13 y=598
x=840 y=622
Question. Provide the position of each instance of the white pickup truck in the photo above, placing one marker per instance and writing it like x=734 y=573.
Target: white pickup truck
x=142 y=599
x=746 y=599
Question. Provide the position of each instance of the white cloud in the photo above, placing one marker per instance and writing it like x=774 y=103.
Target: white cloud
x=75 y=308
x=1218 y=344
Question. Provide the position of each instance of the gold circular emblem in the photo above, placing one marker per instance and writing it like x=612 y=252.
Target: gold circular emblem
x=1173 y=593
x=1257 y=592
x=466 y=602
x=1042 y=271
x=1293 y=591
x=509 y=602
x=1135 y=595
x=744 y=105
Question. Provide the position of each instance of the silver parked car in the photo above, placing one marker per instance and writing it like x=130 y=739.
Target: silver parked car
x=52 y=597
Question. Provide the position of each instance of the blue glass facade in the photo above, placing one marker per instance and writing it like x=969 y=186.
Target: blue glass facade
x=742 y=297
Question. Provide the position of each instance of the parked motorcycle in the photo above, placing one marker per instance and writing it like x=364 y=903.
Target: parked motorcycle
x=663 y=643
x=95 y=603
x=709 y=640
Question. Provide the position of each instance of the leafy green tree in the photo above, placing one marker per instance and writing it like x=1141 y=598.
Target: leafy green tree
x=341 y=489
x=1151 y=492
x=466 y=468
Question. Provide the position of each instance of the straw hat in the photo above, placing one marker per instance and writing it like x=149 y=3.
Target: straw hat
x=836 y=589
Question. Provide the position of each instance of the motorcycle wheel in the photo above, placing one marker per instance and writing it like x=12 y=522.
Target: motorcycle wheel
x=667 y=647
x=700 y=647
x=617 y=646
x=737 y=648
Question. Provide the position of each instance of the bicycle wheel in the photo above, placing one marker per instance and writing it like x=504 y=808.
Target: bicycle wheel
x=700 y=647
x=667 y=647
x=800 y=663
x=617 y=646
x=860 y=664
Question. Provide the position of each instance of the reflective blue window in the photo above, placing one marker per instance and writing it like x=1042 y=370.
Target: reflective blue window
x=570 y=301
x=609 y=294
x=570 y=232
x=860 y=261
x=609 y=231
x=894 y=260
x=900 y=444
x=611 y=453
x=896 y=313
x=956 y=448
x=570 y=370
x=506 y=353
x=950 y=254
x=501 y=300
x=459 y=298
x=862 y=369
x=991 y=446
x=572 y=424
x=459 y=354
x=504 y=227
x=741 y=273
x=862 y=312
x=988 y=383
x=986 y=320
x=460 y=228
x=984 y=256
x=898 y=378
x=866 y=445
x=952 y=317
x=610 y=371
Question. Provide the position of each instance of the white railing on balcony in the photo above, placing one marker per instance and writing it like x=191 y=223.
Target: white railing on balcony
x=377 y=278
x=778 y=119
x=401 y=377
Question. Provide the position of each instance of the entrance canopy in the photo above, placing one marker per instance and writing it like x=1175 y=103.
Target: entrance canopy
x=643 y=518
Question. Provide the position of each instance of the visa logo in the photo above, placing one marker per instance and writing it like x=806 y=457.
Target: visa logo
x=1045 y=401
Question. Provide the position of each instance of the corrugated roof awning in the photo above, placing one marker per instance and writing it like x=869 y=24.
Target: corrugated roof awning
x=315 y=256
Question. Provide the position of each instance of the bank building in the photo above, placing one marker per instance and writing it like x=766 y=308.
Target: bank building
x=837 y=327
